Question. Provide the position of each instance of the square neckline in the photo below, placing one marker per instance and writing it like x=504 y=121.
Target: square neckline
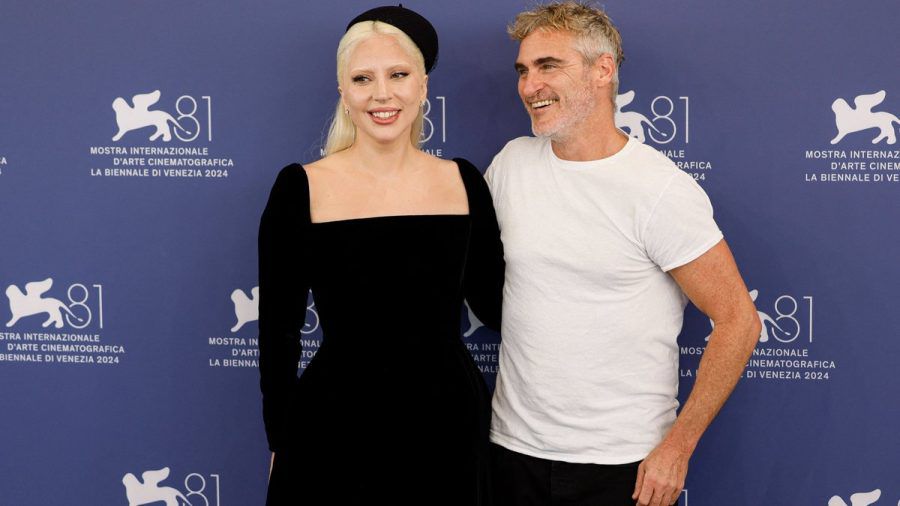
x=462 y=179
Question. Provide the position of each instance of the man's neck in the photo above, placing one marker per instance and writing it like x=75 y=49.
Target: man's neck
x=590 y=142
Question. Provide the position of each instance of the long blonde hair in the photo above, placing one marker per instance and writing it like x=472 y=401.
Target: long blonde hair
x=342 y=132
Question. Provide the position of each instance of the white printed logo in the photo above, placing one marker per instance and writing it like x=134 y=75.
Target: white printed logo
x=474 y=322
x=428 y=126
x=30 y=303
x=133 y=118
x=311 y=322
x=82 y=309
x=771 y=324
x=130 y=118
x=630 y=121
x=246 y=309
x=662 y=127
x=149 y=492
x=858 y=499
x=856 y=119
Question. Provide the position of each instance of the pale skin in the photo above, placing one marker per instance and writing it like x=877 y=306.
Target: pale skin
x=383 y=173
x=571 y=101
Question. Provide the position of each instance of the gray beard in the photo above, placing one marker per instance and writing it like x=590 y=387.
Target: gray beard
x=584 y=107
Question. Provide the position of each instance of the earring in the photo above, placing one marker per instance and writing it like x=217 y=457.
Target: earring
x=347 y=111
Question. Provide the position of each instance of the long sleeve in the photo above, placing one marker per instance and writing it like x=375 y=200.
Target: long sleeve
x=283 y=289
x=485 y=266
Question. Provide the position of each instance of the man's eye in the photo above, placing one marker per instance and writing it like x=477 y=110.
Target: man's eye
x=548 y=66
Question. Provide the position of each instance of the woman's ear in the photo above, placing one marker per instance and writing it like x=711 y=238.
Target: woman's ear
x=343 y=104
x=424 y=89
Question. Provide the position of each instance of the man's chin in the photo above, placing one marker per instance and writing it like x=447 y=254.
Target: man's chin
x=541 y=132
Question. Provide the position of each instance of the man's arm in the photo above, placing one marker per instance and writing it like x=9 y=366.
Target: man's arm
x=712 y=282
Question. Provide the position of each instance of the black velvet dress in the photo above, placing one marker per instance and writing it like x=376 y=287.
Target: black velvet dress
x=392 y=409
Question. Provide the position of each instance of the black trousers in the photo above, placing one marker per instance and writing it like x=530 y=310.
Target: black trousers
x=522 y=480
x=363 y=479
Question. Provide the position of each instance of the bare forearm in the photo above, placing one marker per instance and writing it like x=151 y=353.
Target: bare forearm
x=729 y=348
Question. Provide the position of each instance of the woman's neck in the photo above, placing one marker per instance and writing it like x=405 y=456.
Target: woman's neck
x=383 y=159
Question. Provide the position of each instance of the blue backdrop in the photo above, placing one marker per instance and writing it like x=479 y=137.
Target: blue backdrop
x=140 y=254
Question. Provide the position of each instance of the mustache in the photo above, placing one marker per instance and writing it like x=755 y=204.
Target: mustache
x=537 y=97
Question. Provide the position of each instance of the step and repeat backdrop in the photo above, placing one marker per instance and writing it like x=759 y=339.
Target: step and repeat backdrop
x=139 y=140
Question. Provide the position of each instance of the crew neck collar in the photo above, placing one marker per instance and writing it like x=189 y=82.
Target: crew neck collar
x=587 y=164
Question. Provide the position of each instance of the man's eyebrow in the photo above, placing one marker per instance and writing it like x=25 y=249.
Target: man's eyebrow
x=547 y=59
x=538 y=62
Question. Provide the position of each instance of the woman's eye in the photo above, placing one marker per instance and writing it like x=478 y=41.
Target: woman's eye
x=360 y=79
x=399 y=75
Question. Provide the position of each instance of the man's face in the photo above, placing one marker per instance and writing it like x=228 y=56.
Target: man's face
x=554 y=84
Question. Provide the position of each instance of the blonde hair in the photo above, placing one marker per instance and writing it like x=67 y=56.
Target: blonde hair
x=342 y=132
x=594 y=32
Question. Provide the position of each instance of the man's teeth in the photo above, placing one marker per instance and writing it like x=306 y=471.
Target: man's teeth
x=384 y=114
x=542 y=103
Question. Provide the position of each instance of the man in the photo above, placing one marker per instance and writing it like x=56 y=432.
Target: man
x=604 y=237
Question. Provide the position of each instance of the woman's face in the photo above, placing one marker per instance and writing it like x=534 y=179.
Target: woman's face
x=383 y=89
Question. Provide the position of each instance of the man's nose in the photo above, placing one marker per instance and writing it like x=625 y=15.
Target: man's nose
x=530 y=84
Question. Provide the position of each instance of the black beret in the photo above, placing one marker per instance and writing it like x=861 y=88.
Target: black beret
x=412 y=24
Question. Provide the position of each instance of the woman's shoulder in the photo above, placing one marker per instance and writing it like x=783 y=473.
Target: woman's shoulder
x=466 y=167
x=471 y=175
x=321 y=164
x=291 y=177
x=333 y=164
x=289 y=195
x=448 y=167
x=476 y=187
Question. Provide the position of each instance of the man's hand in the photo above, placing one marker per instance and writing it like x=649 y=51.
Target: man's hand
x=661 y=475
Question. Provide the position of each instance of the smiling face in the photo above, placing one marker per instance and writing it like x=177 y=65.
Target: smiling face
x=383 y=89
x=555 y=84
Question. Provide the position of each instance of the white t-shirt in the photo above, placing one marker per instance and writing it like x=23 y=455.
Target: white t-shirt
x=588 y=358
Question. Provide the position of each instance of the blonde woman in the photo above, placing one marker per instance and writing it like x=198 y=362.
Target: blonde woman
x=390 y=240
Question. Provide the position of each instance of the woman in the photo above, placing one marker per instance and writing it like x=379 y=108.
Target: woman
x=390 y=240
